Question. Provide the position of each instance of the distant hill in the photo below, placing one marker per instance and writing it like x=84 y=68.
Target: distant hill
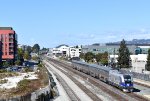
x=133 y=42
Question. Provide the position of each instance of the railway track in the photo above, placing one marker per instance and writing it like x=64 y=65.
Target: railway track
x=68 y=90
x=112 y=91
x=82 y=87
x=142 y=84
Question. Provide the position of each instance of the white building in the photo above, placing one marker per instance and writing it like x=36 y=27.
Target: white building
x=74 y=52
x=113 y=58
x=65 y=50
x=138 y=61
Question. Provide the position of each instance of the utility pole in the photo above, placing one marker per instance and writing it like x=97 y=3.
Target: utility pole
x=114 y=56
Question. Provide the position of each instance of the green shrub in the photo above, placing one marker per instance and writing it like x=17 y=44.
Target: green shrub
x=28 y=70
x=6 y=64
x=40 y=65
x=3 y=81
x=18 y=62
x=23 y=84
x=35 y=58
x=3 y=70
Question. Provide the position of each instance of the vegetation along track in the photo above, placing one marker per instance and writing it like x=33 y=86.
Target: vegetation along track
x=94 y=97
x=112 y=91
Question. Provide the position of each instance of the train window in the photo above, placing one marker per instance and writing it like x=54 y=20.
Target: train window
x=127 y=78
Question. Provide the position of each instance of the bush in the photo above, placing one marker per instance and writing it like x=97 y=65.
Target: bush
x=6 y=64
x=28 y=69
x=35 y=58
x=40 y=65
x=3 y=81
x=3 y=70
x=18 y=62
x=23 y=85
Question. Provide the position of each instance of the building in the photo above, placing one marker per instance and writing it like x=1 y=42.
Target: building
x=66 y=51
x=144 y=49
x=9 y=43
x=74 y=52
x=134 y=49
x=0 y=52
x=111 y=49
x=138 y=62
x=112 y=58
x=24 y=47
x=61 y=50
x=138 y=53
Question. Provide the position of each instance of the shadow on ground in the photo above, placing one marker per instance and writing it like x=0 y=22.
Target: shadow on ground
x=136 y=90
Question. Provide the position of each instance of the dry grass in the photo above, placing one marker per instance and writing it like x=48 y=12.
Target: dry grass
x=3 y=81
x=27 y=86
x=8 y=74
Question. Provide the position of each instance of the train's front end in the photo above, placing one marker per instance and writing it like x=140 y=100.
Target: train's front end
x=127 y=83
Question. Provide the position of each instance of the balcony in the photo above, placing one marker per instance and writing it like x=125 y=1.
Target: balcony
x=11 y=46
x=11 y=36
x=11 y=41
x=11 y=53
x=11 y=50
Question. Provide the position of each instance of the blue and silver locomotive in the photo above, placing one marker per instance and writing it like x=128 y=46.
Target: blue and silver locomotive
x=122 y=81
x=106 y=74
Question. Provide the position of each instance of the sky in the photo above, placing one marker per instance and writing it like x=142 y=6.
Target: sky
x=76 y=22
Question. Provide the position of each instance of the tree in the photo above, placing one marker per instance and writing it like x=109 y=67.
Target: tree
x=29 y=49
x=26 y=55
x=98 y=57
x=44 y=49
x=77 y=46
x=104 y=58
x=35 y=58
x=6 y=64
x=20 y=55
x=123 y=56
x=18 y=62
x=36 y=48
x=82 y=55
x=148 y=61
x=89 y=56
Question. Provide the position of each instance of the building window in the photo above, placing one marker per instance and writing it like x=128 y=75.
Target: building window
x=10 y=53
x=94 y=49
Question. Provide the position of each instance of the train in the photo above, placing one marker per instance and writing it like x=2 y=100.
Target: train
x=106 y=74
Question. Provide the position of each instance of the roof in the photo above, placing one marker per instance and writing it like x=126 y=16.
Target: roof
x=93 y=65
x=62 y=45
x=6 y=28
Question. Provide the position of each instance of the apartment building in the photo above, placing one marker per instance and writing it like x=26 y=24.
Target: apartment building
x=8 y=38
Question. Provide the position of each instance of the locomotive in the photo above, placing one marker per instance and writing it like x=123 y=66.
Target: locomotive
x=106 y=74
